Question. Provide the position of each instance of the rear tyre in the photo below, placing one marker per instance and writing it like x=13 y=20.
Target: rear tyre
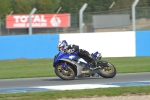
x=107 y=70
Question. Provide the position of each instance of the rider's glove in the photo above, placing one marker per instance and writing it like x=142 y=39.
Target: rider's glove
x=70 y=51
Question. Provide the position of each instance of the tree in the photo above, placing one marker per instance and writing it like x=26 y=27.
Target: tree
x=48 y=6
x=143 y=9
x=21 y=6
x=5 y=8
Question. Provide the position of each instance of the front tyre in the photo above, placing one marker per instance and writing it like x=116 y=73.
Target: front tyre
x=107 y=70
x=67 y=73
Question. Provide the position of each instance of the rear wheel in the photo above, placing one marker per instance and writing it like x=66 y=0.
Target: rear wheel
x=66 y=73
x=107 y=70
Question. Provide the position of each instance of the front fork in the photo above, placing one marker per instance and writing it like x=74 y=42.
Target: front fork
x=64 y=66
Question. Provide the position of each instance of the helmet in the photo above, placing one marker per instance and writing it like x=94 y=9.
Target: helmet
x=62 y=45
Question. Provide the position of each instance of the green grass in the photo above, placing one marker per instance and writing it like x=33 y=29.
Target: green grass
x=25 y=68
x=53 y=95
x=131 y=64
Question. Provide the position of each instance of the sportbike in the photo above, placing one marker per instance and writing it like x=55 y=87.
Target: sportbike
x=68 y=66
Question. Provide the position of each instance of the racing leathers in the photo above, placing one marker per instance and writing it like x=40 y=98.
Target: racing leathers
x=82 y=53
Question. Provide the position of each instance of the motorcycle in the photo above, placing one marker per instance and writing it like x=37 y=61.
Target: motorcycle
x=68 y=66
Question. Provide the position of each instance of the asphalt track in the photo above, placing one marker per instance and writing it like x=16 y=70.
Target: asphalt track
x=31 y=84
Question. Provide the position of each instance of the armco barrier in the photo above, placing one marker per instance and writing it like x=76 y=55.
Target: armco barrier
x=28 y=46
x=110 y=44
x=143 y=43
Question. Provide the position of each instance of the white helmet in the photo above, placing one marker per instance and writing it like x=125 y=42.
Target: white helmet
x=62 y=44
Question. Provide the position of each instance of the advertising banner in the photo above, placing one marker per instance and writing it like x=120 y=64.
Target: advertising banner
x=38 y=21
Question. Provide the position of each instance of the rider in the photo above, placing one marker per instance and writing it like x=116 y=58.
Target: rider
x=63 y=46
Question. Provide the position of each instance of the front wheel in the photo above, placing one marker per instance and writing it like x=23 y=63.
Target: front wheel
x=65 y=73
x=107 y=70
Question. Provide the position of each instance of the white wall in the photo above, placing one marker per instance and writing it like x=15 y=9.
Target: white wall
x=110 y=44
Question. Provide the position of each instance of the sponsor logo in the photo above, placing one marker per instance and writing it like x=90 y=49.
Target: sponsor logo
x=38 y=21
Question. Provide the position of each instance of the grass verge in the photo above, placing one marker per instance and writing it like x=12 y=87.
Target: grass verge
x=25 y=68
x=53 y=95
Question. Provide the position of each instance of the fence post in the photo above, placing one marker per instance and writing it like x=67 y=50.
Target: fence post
x=0 y=25
x=81 y=16
x=30 y=20
x=57 y=13
x=133 y=14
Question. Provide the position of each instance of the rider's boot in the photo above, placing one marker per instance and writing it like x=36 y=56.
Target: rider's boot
x=93 y=63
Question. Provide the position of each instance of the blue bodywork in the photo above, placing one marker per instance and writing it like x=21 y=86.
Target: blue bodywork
x=73 y=56
x=63 y=55
x=94 y=54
